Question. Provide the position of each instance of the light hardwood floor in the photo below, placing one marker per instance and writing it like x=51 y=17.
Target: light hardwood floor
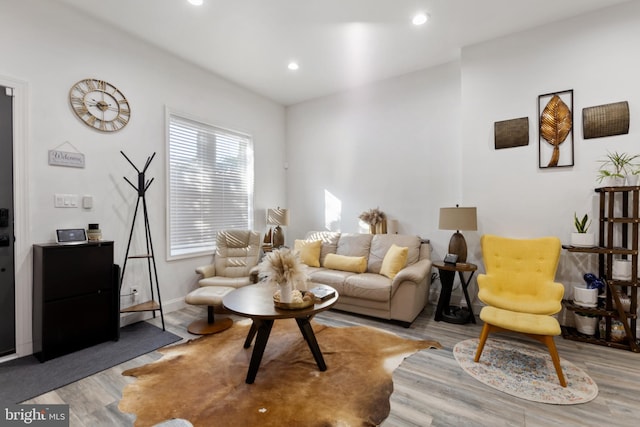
x=430 y=389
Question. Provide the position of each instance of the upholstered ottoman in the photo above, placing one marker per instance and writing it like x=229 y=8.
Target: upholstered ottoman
x=211 y=296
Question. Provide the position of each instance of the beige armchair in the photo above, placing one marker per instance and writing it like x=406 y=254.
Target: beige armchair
x=235 y=264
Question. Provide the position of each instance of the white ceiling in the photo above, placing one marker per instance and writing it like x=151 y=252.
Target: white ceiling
x=338 y=43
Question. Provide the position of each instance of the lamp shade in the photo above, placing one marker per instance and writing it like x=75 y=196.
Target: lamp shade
x=279 y=216
x=458 y=219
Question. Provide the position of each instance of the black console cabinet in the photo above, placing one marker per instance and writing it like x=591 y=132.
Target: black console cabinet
x=75 y=297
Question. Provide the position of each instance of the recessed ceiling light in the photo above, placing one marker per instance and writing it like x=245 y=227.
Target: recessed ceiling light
x=420 y=18
x=293 y=66
x=196 y=2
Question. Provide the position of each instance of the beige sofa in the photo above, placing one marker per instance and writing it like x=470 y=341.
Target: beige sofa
x=400 y=298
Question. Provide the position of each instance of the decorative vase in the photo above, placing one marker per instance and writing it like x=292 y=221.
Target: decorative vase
x=94 y=233
x=625 y=301
x=618 y=334
x=379 y=227
x=585 y=297
x=621 y=269
x=586 y=324
x=285 y=292
x=614 y=181
x=584 y=240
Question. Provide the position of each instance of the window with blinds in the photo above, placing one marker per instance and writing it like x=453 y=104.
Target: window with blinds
x=210 y=184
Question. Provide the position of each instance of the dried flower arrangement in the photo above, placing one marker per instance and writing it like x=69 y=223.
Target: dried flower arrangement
x=373 y=216
x=283 y=266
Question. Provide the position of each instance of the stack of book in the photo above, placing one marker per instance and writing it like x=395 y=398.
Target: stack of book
x=322 y=293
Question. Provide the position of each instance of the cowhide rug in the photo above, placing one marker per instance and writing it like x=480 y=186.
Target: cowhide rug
x=203 y=380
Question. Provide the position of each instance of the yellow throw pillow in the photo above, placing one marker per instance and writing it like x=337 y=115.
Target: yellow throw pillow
x=394 y=261
x=309 y=251
x=354 y=264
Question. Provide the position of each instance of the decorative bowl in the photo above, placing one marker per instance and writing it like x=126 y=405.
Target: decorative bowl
x=299 y=305
x=293 y=305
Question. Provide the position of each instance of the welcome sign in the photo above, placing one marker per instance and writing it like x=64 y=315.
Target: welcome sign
x=66 y=158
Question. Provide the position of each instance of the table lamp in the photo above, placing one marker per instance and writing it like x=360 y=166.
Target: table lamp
x=458 y=219
x=277 y=217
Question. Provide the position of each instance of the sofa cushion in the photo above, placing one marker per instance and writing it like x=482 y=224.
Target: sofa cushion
x=380 y=244
x=354 y=244
x=333 y=278
x=394 y=261
x=368 y=286
x=355 y=264
x=329 y=242
x=309 y=251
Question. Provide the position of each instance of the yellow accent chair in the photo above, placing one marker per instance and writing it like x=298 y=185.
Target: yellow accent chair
x=235 y=264
x=520 y=291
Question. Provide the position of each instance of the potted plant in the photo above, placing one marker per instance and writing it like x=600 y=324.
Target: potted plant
x=615 y=168
x=581 y=237
x=283 y=268
x=636 y=175
x=376 y=219
x=587 y=295
x=585 y=322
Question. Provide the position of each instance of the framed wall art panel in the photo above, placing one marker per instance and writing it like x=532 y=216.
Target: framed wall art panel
x=555 y=113
x=605 y=120
x=511 y=133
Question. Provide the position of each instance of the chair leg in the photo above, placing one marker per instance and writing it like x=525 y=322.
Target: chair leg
x=545 y=339
x=551 y=345
x=483 y=338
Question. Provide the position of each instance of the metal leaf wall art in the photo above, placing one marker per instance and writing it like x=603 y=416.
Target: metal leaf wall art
x=556 y=124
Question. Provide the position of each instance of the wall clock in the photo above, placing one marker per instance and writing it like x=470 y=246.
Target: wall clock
x=100 y=105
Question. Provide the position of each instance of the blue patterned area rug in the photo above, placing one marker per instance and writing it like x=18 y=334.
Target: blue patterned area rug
x=525 y=371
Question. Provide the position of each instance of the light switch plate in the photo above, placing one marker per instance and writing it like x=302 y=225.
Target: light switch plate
x=65 y=200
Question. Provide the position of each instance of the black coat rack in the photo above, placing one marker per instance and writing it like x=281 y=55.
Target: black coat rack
x=141 y=189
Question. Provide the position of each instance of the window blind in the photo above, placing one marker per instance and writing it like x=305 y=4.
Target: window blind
x=210 y=184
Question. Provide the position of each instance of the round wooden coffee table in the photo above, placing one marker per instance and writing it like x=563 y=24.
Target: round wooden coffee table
x=256 y=302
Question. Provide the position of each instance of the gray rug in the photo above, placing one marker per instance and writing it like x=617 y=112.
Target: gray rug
x=25 y=378
x=525 y=371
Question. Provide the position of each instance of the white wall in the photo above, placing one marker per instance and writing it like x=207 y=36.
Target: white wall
x=412 y=144
x=51 y=47
x=593 y=55
x=392 y=145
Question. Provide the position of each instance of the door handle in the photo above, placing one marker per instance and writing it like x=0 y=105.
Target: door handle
x=4 y=217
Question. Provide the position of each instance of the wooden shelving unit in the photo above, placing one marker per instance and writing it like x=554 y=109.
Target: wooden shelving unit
x=619 y=209
x=145 y=306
